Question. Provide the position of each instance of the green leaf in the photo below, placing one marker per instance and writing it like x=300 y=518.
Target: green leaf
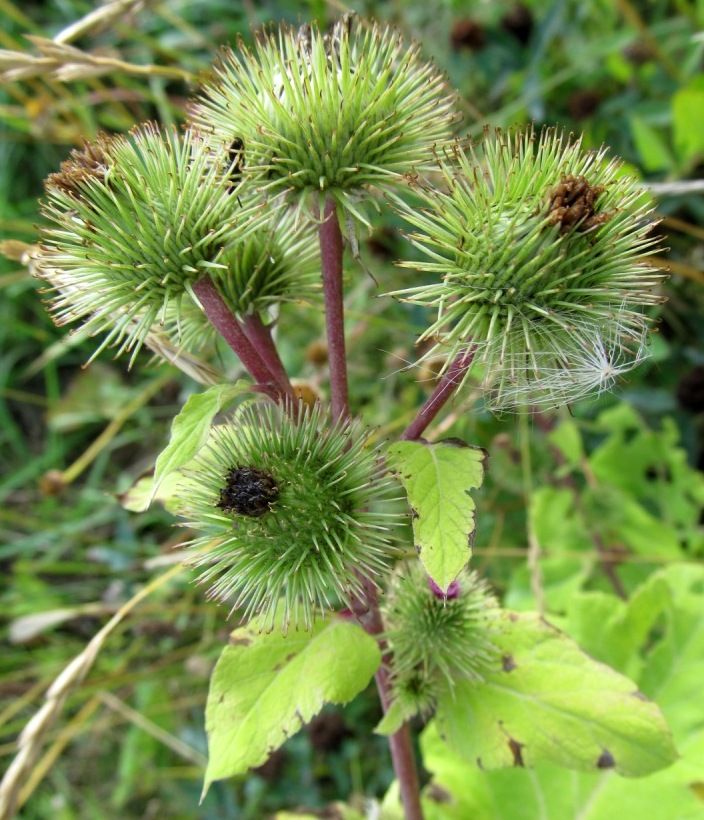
x=675 y=667
x=340 y=811
x=190 y=429
x=552 y=702
x=437 y=478
x=142 y=493
x=393 y=720
x=619 y=67
x=673 y=655
x=460 y=790
x=568 y=440
x=654 y=152
x=267 y=685
x=562 y=578
x=688 y=121
x=615 y=631
x=558 y=523
x=658 y=475
x=619 y=519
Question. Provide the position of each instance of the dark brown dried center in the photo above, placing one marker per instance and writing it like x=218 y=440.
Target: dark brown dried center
x=248 y=491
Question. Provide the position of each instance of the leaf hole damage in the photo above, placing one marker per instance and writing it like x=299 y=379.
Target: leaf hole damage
x=507 y=663
x=437 y=794
x=606 y=760
x=473 y=531
x=516 y=750
x=248 y=491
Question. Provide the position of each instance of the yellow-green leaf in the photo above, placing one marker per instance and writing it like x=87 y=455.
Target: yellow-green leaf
x=267 y=685
x=550 y=702
x=438 y=479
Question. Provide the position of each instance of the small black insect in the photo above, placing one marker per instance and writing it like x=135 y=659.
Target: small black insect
x=248 y=491
x=234 y=172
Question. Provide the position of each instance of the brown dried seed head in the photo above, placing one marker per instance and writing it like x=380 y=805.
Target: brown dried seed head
x=83 y=164
x=572 y=205
x=248 y=491
x=317 y=353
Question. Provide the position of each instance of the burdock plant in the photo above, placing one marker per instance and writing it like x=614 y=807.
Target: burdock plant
x=328 y=114
x=322 y=118
x=437 y=638
x=150 y=232
x=534 y=263
x=537 y=249
x=133 y=223
x=295 y=514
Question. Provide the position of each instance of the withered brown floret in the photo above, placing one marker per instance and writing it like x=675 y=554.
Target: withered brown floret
x=83 y=164
x=572 y=205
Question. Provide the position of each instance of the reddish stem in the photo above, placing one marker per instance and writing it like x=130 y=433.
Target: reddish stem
x=446 y=387
x=366 y=608
x=402 y=756
x=401 y=748
x=223 y=320
x=259 y=335
x=331 y=261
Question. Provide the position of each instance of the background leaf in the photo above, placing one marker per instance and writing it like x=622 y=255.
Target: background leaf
x=613 y=630
x=460 y=790
x=688 y=120
x=438 y=478
x=655 y=154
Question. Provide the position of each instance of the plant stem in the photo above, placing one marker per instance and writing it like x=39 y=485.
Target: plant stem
x=445 y=388
x=331 y=261
x=223 y=320
x=259 y=335
x=403 y=759
x=400 y=742
x=606 y=559
x=365 y=608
